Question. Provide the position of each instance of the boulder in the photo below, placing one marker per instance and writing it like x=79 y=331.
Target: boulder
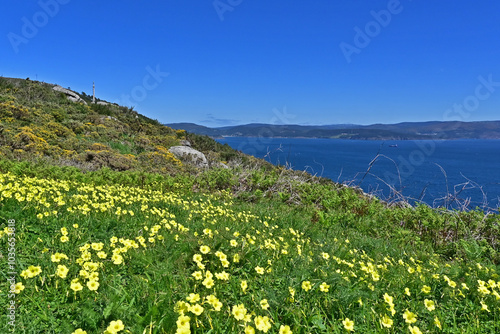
x=72 y=96
x=190 y=155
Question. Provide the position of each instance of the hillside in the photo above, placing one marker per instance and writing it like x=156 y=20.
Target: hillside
x=38 y=121
x=103 y=230
x=400 y=131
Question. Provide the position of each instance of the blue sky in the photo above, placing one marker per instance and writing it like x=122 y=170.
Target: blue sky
x=230 y=62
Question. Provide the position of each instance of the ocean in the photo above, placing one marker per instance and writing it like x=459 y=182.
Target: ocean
x=447 y=173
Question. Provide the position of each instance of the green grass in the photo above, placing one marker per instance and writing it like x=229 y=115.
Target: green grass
x=361 y=256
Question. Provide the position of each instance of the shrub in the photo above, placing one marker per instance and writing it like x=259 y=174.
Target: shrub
x=105 y=158
x=217 y=179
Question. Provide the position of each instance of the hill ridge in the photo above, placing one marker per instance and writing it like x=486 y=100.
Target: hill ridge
x=429 y=130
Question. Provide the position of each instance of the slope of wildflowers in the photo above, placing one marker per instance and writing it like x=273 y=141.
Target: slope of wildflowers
x=112 y=258
x=131 y=240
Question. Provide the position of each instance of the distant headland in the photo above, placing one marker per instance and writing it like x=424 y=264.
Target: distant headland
x=433 y=130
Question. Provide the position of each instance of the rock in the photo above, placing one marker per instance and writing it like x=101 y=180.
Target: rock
x=72 y=96
x=400 y=205
x=188 y=154
x=102 y=103
x=221 y=165
x=185 y=143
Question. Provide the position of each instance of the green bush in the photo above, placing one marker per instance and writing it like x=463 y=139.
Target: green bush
x=217 y=179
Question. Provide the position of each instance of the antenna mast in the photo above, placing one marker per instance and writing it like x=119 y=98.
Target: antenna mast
x=93 y=92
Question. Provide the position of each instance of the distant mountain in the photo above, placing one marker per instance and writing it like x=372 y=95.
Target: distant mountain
x=195 y=128
x=399 y=131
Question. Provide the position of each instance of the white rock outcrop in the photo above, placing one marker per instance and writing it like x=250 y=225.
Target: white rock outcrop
x=190 y=155
x=72 y=96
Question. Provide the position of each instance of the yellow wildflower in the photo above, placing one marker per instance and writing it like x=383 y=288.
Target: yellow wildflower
x=62 y=271
x=97 y=246
x=208 y=282
x=183 y=321
x=239 y=311
x=386 y=321
x=409 y=317
x=249 y=330
x=262 y=323
x=193 y=298
x=348 y=324
x=388 y=299
x=93 y=285
x=306 y=286
x=323 y=287
x=76 y=286
x=414 y=330
x=181 y=307
x=244 y=285
x=437 y=322
x=79 y=331
x=483 y=290
x=222 y=276
x=197 y=258
x=285 y=330
x=115 y=326
x=117 y=259
x=57 y=257
x=196 y=309
x=197 y=275
x=34 y=271
x=429 y=304
x=102 y=255
x=18 y=287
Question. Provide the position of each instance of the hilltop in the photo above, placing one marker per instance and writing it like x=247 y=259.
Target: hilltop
x=45 y=121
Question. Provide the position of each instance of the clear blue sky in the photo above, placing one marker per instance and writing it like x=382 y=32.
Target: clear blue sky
x=301 y=62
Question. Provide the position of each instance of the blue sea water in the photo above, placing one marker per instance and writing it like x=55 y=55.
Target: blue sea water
x=449 y=173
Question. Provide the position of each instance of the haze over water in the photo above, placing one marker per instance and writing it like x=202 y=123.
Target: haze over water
x=428 y=170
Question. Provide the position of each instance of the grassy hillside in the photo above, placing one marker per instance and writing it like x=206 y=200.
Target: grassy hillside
x=38 y=122
x=103 y=238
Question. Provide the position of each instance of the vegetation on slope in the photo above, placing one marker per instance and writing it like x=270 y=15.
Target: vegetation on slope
x=147 y=248
x=90 y=254
x=38 y=122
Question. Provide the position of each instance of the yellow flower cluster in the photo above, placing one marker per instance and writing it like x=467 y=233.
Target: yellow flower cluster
x=236 y=262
